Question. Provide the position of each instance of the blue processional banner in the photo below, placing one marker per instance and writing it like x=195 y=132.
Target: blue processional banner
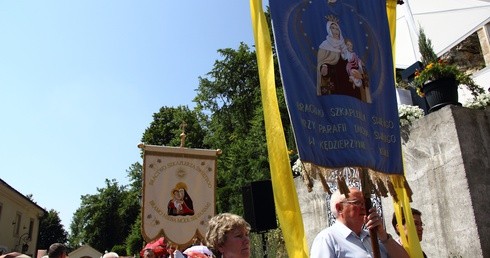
x=337 y=70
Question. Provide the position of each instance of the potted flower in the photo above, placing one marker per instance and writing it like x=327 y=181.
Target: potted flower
x=438 y=78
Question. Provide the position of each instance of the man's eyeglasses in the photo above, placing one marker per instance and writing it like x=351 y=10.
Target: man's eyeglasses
x=354 y=202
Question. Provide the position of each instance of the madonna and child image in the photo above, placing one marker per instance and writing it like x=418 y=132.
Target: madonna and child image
x=180 y=203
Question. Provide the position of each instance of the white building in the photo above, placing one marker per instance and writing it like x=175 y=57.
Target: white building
x=19 y=221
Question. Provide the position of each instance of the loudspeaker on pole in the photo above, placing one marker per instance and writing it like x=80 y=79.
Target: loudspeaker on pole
x=258 y=205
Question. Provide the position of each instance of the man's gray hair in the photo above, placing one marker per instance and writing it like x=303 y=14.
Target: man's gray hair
x=336 y=197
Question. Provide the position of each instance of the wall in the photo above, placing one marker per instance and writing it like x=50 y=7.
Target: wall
x=313 y=207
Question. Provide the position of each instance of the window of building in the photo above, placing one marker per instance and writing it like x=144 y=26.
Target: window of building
x=18 y=220
x=31 y=227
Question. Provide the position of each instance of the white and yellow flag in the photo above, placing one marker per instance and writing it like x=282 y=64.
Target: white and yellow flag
x=178 y=192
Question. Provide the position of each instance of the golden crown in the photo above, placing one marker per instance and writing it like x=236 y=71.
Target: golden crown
x=332 y=18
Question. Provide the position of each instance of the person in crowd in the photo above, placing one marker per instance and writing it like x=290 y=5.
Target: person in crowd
x=110 y=255
x=57 y=250
x=198 y=251
x=419 y=225
x=228 y=236
x=148 y=253
x=171 y=249
x=346 y=237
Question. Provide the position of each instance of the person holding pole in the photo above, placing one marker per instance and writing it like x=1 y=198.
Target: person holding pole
x=346 y=237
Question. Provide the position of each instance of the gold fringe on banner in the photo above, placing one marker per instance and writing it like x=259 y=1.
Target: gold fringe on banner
x=371 y=181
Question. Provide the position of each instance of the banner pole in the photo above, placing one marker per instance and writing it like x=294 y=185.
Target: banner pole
x=366 y=186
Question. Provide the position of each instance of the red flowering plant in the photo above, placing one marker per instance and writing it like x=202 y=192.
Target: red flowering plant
x=434 y=68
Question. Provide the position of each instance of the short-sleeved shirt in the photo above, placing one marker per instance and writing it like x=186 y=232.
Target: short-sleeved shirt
x=339 y=241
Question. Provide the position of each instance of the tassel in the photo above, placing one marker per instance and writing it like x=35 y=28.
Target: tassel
x=376 y=191
x=342 y=185
x=366 y=183
x=381 y=188
x=324 y=184
x=391 y=188
x=408 y=189
x=307 y=180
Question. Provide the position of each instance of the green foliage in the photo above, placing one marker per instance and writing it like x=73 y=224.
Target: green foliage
x=99 y=221
x=165 y=129
x=51 y=230
x=131 y=210
x=230 y=96
x=109 y=217
x=426 y=49
x=119 y=249
x=134 y=241
x=274 y=244
x=135 y=173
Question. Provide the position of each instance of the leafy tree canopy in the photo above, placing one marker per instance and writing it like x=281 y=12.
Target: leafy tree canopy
x=99 y=221
x=231 y=99
x=51 y=230
x=166 y=127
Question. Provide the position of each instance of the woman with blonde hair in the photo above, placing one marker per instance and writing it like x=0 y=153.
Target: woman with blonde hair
x=228 y=236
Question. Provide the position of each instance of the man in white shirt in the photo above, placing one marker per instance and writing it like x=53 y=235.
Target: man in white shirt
x=346 y=238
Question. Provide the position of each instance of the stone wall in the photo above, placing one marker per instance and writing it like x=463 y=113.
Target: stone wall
x=446 y=158
x=313 y=207
x=447 y=164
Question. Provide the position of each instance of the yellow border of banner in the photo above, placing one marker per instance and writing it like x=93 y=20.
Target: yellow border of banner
x=285 y=195
x=414 y=249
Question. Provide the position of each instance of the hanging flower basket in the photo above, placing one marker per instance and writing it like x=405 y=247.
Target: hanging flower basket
x=440 y=93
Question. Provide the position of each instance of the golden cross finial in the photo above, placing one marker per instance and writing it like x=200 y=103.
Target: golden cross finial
x=182 y=135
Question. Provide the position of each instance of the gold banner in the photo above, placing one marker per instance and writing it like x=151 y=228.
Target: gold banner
x=178 y=192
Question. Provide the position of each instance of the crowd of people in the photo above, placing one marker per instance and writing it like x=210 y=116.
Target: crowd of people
x=228 y=235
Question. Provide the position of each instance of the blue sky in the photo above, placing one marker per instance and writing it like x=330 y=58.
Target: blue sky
x=80 y=81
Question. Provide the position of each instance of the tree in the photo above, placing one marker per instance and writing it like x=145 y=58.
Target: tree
x=132 y=210
x=166 y=127
x=98 y=221
x=425 y=47
x=231 y=99
x=106 y=220
x=134 y=241
x=51 y=230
